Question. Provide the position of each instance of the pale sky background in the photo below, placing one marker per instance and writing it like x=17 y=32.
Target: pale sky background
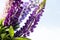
x=49 y=25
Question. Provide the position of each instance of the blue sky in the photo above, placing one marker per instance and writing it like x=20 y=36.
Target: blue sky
x=49 y=24
x=52 y=13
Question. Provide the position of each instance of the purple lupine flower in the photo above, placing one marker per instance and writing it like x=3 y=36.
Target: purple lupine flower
x=13 y=13
x=26 y=10
x=21 y=31
x=29 y=25
x=15 y=18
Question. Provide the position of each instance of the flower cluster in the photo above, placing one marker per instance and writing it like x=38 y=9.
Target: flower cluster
x=13 y=13
x=18 y=12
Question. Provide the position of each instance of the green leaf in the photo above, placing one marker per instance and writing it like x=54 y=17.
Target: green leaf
x=3 y=35
x=11 y=31
x=2 y=30
x=0 y=27
x=1 y=21
x=21 y=38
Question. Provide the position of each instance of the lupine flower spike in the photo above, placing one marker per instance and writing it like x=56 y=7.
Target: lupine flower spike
x=32 y=21
x=17 y=11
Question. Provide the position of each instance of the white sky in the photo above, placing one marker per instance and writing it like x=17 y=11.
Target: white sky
x=49 y=25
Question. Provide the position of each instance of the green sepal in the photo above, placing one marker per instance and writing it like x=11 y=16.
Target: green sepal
x=42 y=5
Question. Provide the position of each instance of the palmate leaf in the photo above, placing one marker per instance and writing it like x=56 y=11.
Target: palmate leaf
x=11 y=31
x=21 y=38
